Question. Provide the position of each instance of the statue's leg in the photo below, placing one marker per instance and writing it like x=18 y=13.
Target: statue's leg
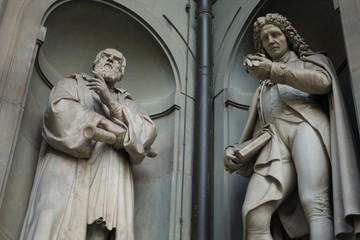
x=97 y=232
x=258 y=220
x=313 y=174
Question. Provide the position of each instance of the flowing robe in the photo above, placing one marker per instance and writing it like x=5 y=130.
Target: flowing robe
x=79 y=181
x=340 y=146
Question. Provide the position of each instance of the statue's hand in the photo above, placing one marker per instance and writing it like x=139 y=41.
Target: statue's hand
x=100 y=87
x=231 y=162
x=258 y=65
x=119 y=132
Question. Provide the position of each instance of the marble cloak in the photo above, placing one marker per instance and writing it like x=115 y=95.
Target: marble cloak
x=343 y=156
x=61 y=203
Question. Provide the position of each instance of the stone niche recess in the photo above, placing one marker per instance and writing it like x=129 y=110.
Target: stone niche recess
x=75 y=32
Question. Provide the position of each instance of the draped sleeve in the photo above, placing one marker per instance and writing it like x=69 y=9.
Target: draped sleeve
x=65 y=118
x=310 y=79
x=140 y=129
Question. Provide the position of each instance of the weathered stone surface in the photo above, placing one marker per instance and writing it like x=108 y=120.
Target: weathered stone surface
x=159 y=57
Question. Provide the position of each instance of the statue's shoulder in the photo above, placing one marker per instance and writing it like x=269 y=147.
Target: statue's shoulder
x=68 y=81
x=315 y=57
x=79 y=79
x=79 y=76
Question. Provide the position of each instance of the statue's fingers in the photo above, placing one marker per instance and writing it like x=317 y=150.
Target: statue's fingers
x=230 y=156
x=255 y=63
x=92 y=88
x=93 y=80
x=92 y=84
x=248 y=63
x=96 y=88
x=233 y=165
x=250 y=56
x=227 y=168
x=229 y=150
x=227 y=163
x=258 y=58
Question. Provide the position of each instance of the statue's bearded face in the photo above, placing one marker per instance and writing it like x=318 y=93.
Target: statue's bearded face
x=109 y=67
x=274 y=41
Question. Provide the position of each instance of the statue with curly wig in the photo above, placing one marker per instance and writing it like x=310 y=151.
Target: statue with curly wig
x=304 y=177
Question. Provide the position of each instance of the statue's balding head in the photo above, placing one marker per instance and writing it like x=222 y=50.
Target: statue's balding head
x=110 y=64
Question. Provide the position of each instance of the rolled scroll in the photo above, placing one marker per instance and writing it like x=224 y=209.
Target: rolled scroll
x=101 y=135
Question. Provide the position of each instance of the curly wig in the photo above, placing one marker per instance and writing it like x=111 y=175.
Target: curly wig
x=295 y=41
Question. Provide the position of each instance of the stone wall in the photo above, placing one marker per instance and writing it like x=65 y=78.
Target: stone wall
x=43 y=41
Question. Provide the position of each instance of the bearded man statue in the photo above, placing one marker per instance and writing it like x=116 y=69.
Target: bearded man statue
x=83 y=188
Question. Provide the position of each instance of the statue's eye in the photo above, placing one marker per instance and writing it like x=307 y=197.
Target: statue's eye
x=276 y=34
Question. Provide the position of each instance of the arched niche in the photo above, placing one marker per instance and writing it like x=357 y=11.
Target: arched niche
x=78 y=30
x=320 y=26
x=75 y=32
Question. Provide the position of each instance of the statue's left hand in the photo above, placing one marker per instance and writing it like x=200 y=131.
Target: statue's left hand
x=117 y=130
x=258 y=65
x=100 y=87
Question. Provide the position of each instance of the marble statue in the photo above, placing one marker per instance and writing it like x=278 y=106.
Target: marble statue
x=304 y=177
x=83 y=188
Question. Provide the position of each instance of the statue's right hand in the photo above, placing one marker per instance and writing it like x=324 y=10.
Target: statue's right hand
x=231 y=161
x=258 y=65
x=99 y=86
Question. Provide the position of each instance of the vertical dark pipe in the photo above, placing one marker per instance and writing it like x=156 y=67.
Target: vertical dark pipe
x=202 y=153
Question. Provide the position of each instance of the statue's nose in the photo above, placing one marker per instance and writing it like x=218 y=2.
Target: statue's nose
x=111 y=58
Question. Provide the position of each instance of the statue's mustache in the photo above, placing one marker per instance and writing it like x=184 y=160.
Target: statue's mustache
x=107 y=71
